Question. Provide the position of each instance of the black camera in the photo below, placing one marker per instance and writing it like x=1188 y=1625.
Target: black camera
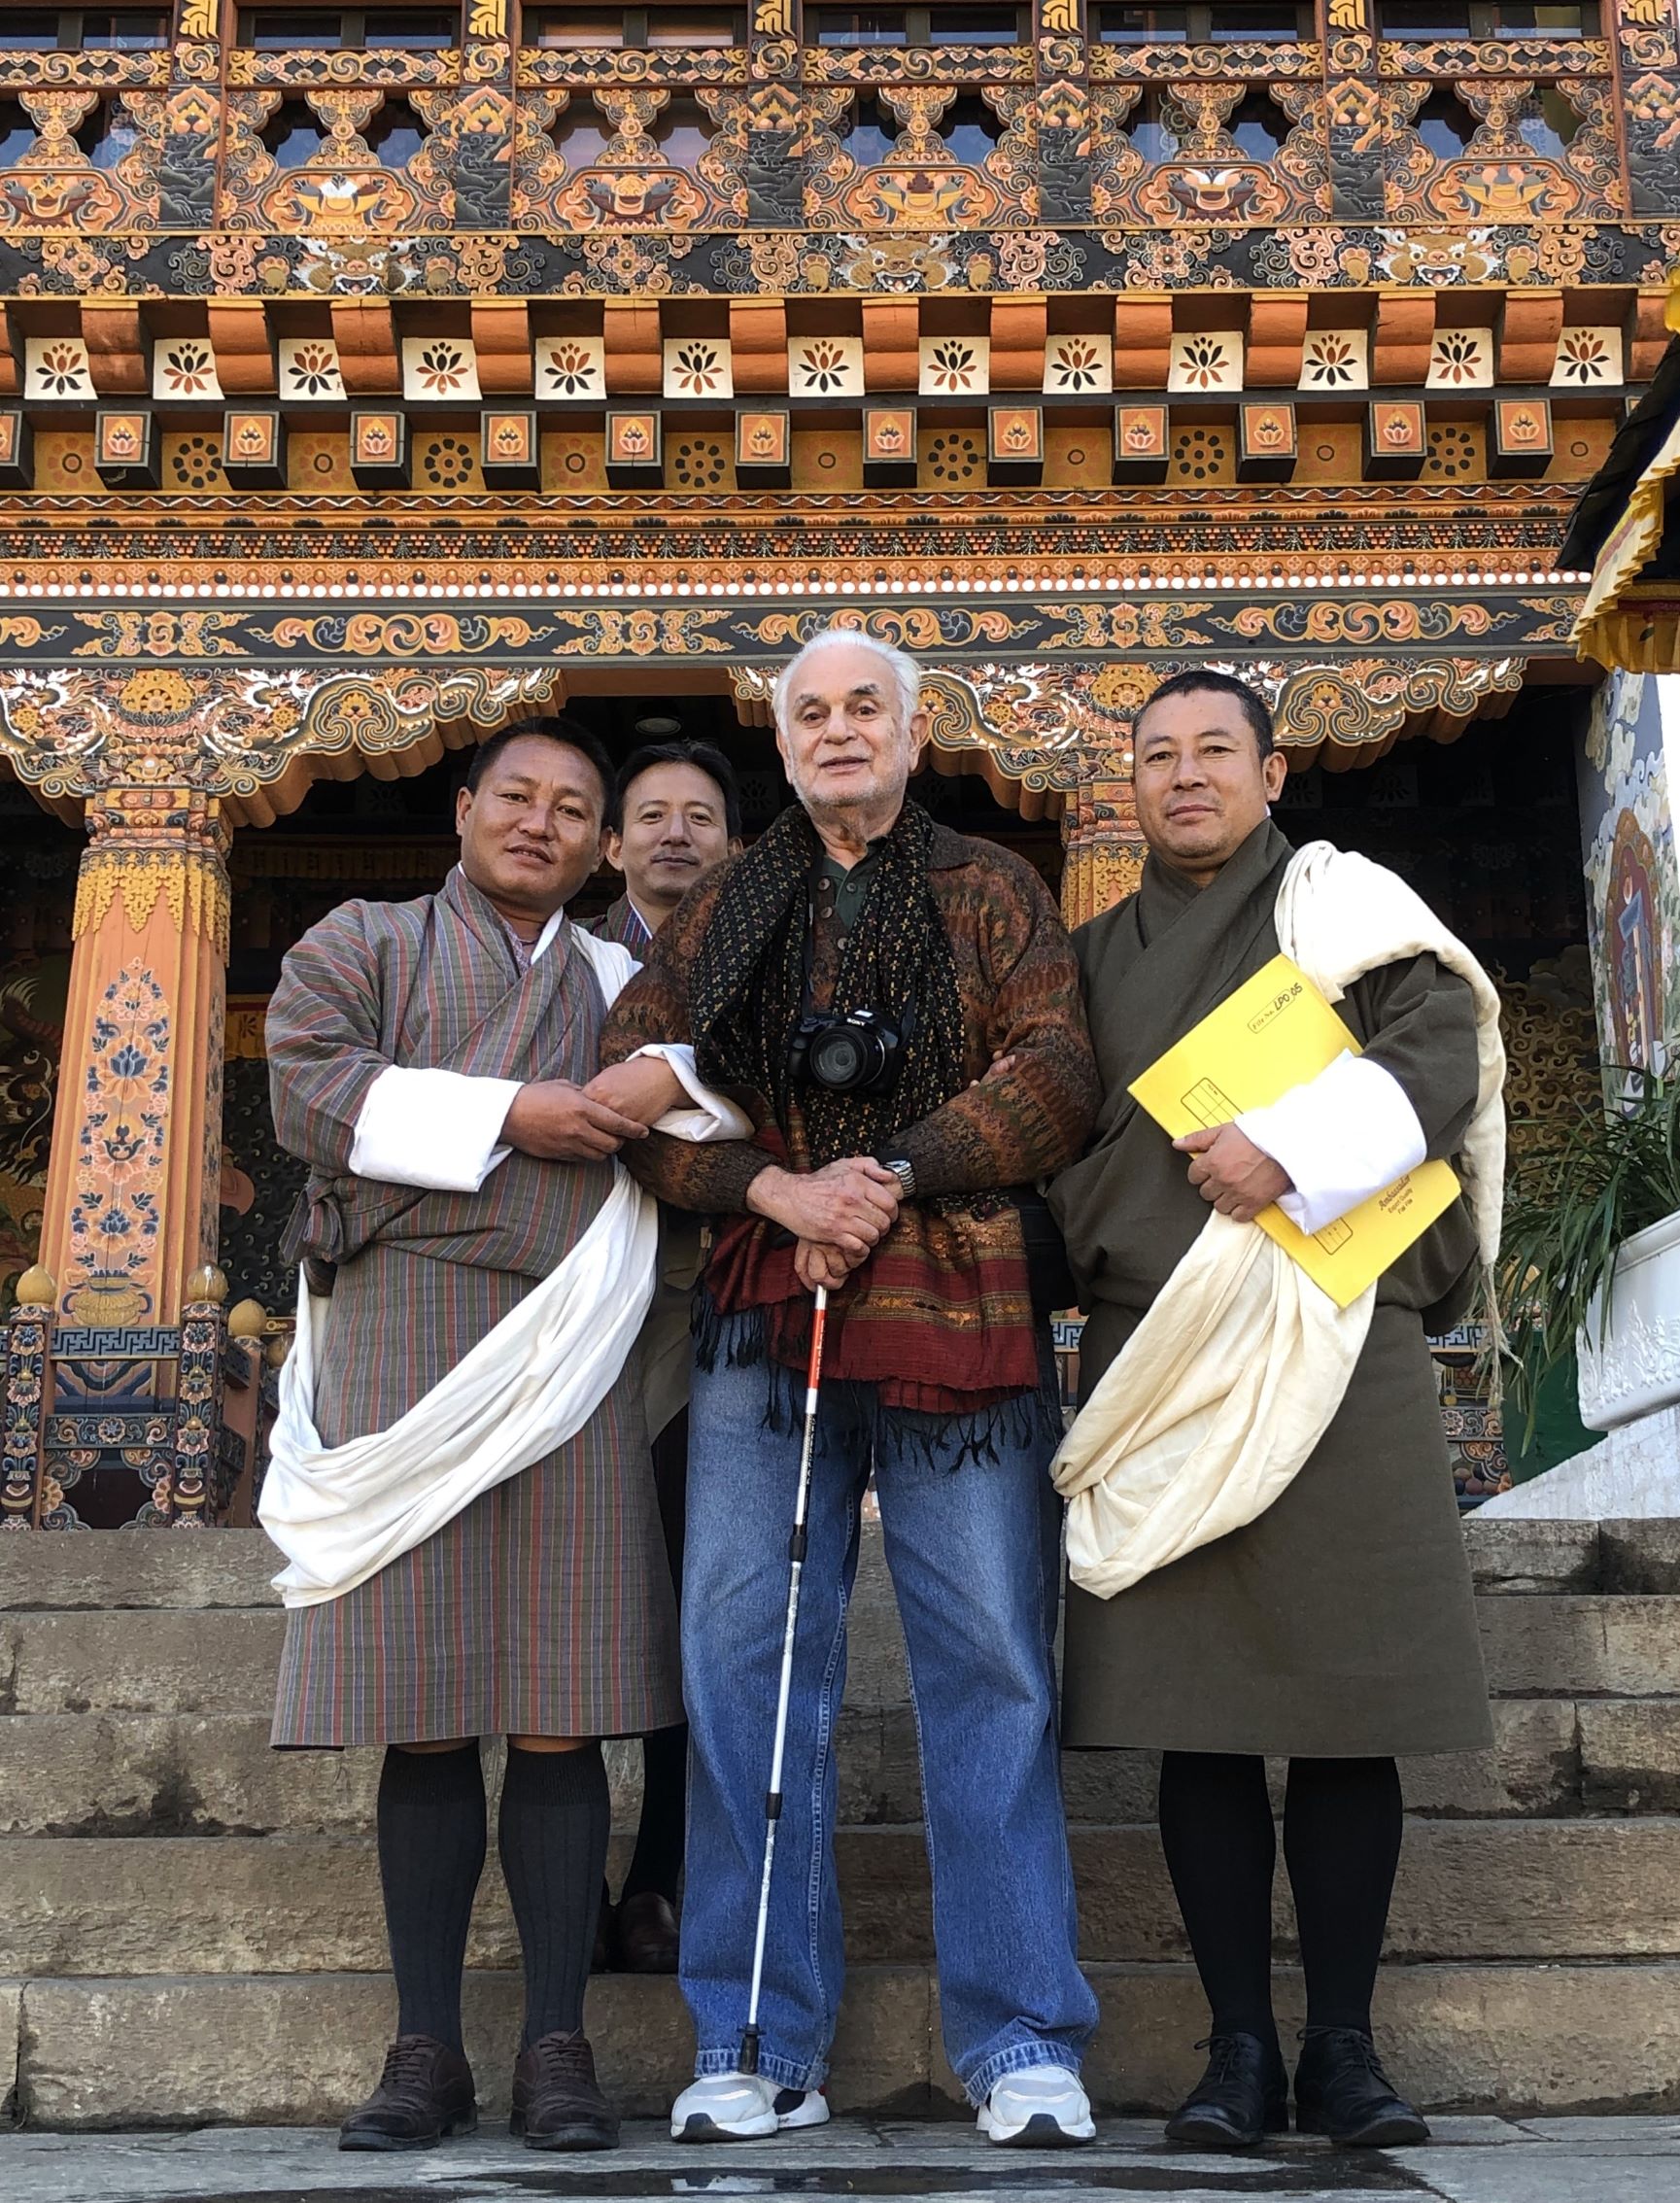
x=856 y=1052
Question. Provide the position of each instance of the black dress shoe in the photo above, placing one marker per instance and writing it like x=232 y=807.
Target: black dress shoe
x=1341 y=2090
x=557 y=2100
x=647 y=1934
x=425 y=2093
x=1243 y=2096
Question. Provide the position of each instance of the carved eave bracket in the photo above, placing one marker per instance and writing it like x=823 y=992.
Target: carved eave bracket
x=251 y=739
x=1038 y=732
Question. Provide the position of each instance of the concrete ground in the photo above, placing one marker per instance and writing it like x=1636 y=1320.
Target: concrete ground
x=1471 y=2160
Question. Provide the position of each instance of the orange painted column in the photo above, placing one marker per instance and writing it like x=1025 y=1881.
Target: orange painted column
x=131 y=1191
x=1105 y=850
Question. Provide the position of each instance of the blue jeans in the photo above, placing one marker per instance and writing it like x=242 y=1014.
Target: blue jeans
x=974 y=1555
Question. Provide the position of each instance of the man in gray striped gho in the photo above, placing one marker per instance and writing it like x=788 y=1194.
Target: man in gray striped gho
x=433 y=1063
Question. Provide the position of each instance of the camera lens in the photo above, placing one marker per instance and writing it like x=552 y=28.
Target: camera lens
x=842 y=1059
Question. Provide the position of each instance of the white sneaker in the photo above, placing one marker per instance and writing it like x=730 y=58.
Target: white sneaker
x=1043 y=2108
x=742 y=2106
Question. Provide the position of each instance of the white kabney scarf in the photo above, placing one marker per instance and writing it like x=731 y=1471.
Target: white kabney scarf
x=341 y=1513
x=1230 y=1380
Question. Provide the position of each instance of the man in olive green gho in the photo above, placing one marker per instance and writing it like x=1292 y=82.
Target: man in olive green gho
x=1262 y=1533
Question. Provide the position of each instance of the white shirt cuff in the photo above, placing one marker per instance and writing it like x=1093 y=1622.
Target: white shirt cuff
x=439 y=1129
x=713 y=1116
x=1343 y=1136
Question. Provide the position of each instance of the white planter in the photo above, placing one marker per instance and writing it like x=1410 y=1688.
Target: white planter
x=1635 y=1369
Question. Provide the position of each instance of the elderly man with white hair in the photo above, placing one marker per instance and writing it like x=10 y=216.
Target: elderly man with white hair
x=897 y=1010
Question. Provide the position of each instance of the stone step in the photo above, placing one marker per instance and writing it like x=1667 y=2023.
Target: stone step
x=194 y=1568
x=1526 y=1555
x=215 y=1661
x=300 y=2050
x=1641 y=1556
x=206 y=1774
x=1467 y=1890
x=1516 y=1556
x=147 y=1775
x=1537 y=1769
x=1622 y=1644
x=143 y=1775
x=198 y=1569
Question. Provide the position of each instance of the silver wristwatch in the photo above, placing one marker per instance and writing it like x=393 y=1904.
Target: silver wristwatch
x=905 y=1172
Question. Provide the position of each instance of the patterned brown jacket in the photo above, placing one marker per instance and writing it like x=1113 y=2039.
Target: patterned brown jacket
x=1018 y=987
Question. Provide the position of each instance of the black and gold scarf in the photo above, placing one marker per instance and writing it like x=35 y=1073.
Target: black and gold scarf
x=747 y=989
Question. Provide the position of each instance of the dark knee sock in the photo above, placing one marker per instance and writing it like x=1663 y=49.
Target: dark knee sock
x=657 y=1860
x=1221 y=1850
x=1343 y=1821
x=431 y=1843
x=556 y=1817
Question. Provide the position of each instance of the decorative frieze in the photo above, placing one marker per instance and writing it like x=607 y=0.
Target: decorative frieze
x=126 y=448
x=440 y=370
x=634 y=450
x=309 y=371
x=510 y=455
x=763 y=450
x=1206 y=362
x=55 y=370
x=253 y=448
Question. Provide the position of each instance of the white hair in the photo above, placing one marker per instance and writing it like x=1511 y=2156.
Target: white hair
x=906 y=673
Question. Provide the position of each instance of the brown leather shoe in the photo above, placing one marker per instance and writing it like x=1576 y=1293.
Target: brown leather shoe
x=423 y=2093
x=647 y=1934
x=557 y=2100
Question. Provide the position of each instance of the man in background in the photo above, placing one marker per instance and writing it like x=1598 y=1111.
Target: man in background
x=675 y=816
x=677 y=813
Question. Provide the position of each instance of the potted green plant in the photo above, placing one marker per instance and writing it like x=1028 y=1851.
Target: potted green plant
x=1590 y=1261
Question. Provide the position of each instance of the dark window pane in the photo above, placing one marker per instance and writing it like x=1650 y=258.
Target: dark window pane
x=394 y=134
x=1258 y=127
x=1269 y=25
x=1143 y=27
x=970 y=130
x=294 y=134
x=109 y=135
x=872 y=137
x=16 y=133
x=1149 y=131
x=577 y=28
x=860 y=26
x=317 y=31
x=1553 y=129
x=1516 y=20
x=580 y=140
x=1427 y=20
x=411 y=30
x=972 y=26
x=28 y=30
x=695 y=27
x=1446 y=126
x=682 y=132
x=127 y=33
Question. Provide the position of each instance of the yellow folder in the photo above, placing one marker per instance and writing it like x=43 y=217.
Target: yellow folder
x=1275 y=1032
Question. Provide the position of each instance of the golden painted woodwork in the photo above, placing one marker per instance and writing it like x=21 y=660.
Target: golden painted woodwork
x=1062 y=363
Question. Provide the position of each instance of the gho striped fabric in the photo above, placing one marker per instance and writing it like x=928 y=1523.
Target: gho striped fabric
x=545 y=1607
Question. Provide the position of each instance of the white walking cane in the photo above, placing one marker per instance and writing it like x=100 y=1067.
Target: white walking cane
x=796 y=1552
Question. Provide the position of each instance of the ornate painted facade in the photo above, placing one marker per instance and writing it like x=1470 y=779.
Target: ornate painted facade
x=357 y=398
